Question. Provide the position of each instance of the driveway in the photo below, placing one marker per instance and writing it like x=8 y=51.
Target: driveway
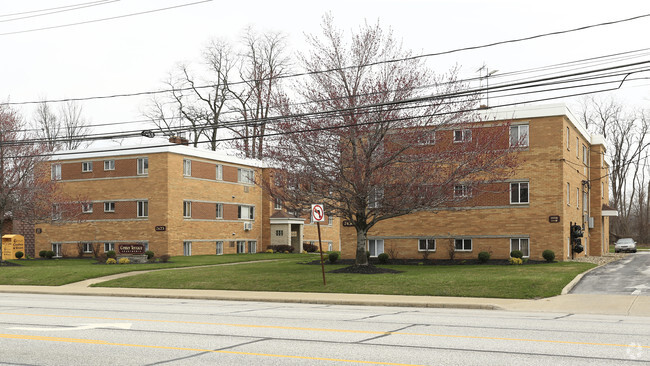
x=628 y=276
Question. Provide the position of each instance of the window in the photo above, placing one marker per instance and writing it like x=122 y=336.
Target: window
x=219 y=247
x=187 y=167
x=109 y=206
x=56 y=248
x=519 y=192
x=568 y=139
x=462 y=135
x=568 y=194
x=519 y=136
x=577 y=147
x=585 y=156
x=245 y=176
x=87 y=247
x=87 y=207
x=463 y=245
x=187 y=248
x=330 y=220
x=602 y=190
x=375 y=197
x=56 y=212
x=87 y=166
x=241 y=247
x=245 y=212
x=109 y=246
x=584 y=201
x=109 y=164
x=521 y=244
x=220 y=210
x=56 y=171
x=375 y=247
x=426 y=138
x=219 y=170
x=143 y=208
x=578 y=198
x=461 y=190
x=278 y=204
x=279 y=233
x=252 y=247
x=143 y=166
x=187 y=209
x=426 y=245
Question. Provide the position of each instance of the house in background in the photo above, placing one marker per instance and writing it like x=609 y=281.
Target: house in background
x=561 y=178
x=173 y=199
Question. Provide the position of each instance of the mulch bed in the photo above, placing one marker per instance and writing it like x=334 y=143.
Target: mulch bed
x=369 y=269
x=428 y=262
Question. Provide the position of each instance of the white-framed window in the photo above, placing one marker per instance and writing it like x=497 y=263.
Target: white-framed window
x=87 y=166
x=245 y=176
x=219 y=210
x=245 y=212
x=279 y=233
x=568 y=139
x=461 y=190
x=577 y=198
x=585 y=155
x=56 y=171
x=252 y=246
x=241 y=247
x=278 y=204
x=519 y=192
x=109 y=246
x=56 y=248
x=109 y=206
x=219 y=247
x=187 y=167
x=426 y=245
x=519 y=136
x=219 y=172
x=578 y=147
x=375 y=247
x=87 y=207
x=56 y=212
x=143 y=208
x=462 y=135
x=330 y=220
x=187 y=248
x=568 y=194
x=584 y=201
x=187 y=209
x=375 y=197
x=463 y=245
x=109 y=164
x=426 y=138
x=143 y=166
x=521 y=244
x=87 y=247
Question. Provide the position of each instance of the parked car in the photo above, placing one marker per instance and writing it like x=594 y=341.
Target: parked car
x=625 y=245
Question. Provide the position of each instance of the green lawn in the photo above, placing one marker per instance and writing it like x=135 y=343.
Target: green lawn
x=497 y=281
x=56 y=272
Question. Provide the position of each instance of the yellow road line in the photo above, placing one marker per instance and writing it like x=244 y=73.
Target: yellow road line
x=332 y=330
x=105 y=343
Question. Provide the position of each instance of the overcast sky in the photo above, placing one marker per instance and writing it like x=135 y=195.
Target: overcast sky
x=135 y=53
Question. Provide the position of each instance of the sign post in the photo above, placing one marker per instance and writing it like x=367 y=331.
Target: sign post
x=318 y=216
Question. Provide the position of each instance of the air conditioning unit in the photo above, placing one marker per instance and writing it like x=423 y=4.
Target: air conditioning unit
x=591 y=222
x=248 y=226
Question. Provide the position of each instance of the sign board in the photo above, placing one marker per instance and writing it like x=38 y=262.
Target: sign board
x=347 y=223
x=131 y=248
x=317 y=213
x=554 y=219
x=161 y=228
x=12 y=244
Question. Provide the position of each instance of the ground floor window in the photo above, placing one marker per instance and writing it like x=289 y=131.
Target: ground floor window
x=329 y=246
x=56 y=248
x=87 y=247
x=252 y=246
x=463 y=245
x=427 y=245
x=109 y=246
x=219 y=247
x=521 y=244
x=241 y=247
x=375 y=247
x=187 y=248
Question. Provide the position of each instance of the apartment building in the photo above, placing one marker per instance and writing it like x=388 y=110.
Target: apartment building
x=561 y=178
x=172 y=199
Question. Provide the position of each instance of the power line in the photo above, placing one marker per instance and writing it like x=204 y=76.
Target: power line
x=69 y=8
x=48 y=9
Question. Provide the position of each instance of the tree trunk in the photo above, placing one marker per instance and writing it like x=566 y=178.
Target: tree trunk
x=362 y=258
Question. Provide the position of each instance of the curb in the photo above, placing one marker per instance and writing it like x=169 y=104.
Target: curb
x=574 y=282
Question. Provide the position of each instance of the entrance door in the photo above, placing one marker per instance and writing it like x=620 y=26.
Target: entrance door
x=187 y=248
x=252 y=247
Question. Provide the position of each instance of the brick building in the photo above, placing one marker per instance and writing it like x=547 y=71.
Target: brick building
x=175 y=200
x=561 y=178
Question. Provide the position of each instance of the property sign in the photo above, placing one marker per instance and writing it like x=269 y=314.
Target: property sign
x=131 y=248
x=554 y=219
x=317 y=213
x=161 y=228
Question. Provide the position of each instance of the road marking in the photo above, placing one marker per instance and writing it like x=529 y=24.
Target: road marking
x=105 y=343
x=329 y=330
x=80 y=327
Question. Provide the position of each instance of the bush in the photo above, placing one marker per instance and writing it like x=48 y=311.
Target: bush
x=383 y=258
x=549 y=255
x=269 y=250
x=517 y=254
x=101 y=258
x=42 y=253
x=111 y=261
x=124 y=261
x=49 y=254
x=149 y=254
x=483 y=257
x=110 y=254
x=309 y=248
x=282 y=248
x=165 y=258
x=333 y=257
x=515 y=260
x=19 y=254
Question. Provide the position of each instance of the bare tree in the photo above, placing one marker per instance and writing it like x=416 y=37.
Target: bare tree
x=47 y=126
x=66 y=131
x=363 y=142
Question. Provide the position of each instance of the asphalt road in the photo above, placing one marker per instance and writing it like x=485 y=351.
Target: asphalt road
x=92 y=330
x=628 y=276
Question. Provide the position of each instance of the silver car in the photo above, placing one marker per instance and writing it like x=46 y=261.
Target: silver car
x=625 y=245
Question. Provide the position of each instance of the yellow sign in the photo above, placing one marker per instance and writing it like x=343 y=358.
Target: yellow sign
x=12 y=244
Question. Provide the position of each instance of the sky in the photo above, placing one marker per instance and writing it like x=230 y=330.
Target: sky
x=135 y=51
